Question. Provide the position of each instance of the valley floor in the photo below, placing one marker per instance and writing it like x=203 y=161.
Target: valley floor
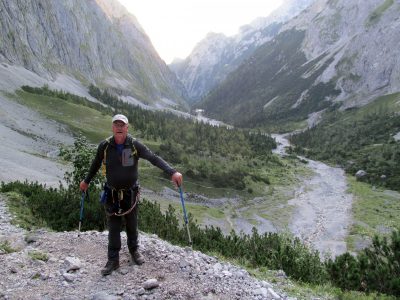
x=322 y=206
x=322 y=215
x=317 y=208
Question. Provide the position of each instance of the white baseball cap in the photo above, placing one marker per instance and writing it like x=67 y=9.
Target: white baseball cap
x=120 y=117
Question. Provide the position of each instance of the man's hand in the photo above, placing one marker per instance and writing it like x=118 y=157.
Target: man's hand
x=83 y=186
x=177 y=179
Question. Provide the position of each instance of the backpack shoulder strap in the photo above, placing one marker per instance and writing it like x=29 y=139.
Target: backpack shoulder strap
x=103 y=166
x=131 y=142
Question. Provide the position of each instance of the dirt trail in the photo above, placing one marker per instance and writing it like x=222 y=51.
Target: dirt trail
x=322 y=207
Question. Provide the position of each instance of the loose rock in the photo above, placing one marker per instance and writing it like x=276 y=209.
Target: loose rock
x=73 y=270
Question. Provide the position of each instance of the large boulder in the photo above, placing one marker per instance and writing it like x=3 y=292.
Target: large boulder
x=361 y=174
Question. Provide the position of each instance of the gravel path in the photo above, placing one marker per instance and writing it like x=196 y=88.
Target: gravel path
x=322 y=207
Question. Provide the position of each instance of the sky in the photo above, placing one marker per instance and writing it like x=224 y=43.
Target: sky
x=176 y=26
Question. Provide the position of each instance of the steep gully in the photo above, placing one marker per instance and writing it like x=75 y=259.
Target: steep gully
x=322 y=212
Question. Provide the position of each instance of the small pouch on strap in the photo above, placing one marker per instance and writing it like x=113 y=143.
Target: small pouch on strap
x=104 y=194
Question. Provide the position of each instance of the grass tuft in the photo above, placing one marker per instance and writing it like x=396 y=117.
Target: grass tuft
x=37 y=255
x=6 y=247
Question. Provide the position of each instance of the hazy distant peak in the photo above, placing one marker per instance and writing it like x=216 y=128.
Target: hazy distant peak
x=283 y=13
x=215 y=35
x=212 y=40
x=216 y=55
x=177 y=60
x=116 y=11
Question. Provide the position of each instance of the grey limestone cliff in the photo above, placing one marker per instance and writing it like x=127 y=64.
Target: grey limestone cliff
x=361 y=39
x=95 y=41
x=335 y=52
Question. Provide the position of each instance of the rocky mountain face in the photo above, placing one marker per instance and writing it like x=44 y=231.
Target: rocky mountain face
x=361 y=38
x=50 y=265
x=335 y=51
x=217 y=55
x=95 y=41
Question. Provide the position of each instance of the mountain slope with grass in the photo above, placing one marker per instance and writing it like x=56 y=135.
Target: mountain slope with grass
x=359 y=139
x=30 y=144
x=217 y=55
x=334 y=54
x=83 y=42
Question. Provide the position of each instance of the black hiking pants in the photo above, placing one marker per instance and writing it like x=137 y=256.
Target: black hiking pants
x=114 y=232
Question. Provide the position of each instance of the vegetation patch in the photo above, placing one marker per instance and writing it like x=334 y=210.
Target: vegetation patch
x=5 y=247
x=86 y=120
x=23 y=216
x=37 y=255
x=360 y=139
x=374 y=212
x=378 y=12
x=200 y=213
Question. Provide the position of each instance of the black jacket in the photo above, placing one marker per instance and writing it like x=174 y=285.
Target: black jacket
x=122 y=169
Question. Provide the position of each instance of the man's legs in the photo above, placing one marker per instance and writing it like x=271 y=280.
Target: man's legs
x=114 y=244
x=114 y=237
x=133 y=235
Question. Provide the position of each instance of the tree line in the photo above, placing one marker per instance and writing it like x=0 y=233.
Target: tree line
x=365 y=144
x=204 y=152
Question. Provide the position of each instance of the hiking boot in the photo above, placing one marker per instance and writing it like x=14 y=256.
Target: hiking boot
x=111 y=265
x=137 y=258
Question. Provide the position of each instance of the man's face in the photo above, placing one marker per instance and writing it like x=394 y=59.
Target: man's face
x=120 y=130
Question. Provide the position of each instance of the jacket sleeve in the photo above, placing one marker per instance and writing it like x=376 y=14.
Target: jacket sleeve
x=144 y=152
x=96 y=163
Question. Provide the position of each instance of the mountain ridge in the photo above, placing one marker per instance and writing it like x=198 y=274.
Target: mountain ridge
x=338 y=65
x=96 y=42
x=214 y=57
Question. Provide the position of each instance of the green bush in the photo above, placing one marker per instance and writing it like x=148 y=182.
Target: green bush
x=376 y=268
x=6 y=247
x=363 y=144
x=36 y=255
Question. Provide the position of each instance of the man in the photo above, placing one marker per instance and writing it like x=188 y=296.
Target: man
x=119 y=155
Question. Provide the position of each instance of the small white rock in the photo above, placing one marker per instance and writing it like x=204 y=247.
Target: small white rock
x=273 y=294
x=69 y=277
x=266 y=284
x=151 y=284
x=72 y=263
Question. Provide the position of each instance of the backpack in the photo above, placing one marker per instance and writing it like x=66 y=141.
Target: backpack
x=108 y=140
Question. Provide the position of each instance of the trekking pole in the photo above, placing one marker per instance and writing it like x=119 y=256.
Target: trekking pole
x=185 y=216
x=81 y=213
